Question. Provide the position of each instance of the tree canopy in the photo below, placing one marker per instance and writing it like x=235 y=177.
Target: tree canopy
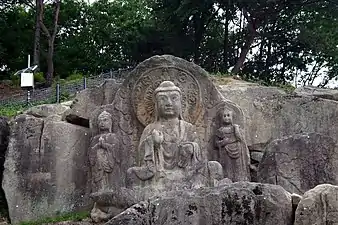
x=268 y=40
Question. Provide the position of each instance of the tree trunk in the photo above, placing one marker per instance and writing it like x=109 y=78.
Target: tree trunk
x=226 y=40
x=251 y=27
x=244 y=52
x=51 y=41
x=198 y=35
x=50 y=62
x=268 y=61
x=36 y=55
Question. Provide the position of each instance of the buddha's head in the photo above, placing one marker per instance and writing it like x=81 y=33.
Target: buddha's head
x=104 y=121
x=227 y=116
x=168 y=99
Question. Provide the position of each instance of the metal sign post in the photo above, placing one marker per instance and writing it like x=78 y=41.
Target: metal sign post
x=27 y=78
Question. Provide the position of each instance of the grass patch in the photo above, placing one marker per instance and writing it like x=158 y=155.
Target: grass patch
x=288 y=88
x=78 y=216
x=221 y=78
x=13 y=109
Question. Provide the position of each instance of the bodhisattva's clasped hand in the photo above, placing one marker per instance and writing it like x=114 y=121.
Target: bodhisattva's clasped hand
x=101 y=140
x=157 y=137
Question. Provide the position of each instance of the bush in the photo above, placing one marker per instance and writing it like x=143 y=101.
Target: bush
x=39 y=78
x=11 y=110
x=15 y=80
x=74 y=76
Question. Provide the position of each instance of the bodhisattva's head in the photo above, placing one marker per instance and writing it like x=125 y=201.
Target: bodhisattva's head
x=168 y=101
x=104 y=121
x=227 y=117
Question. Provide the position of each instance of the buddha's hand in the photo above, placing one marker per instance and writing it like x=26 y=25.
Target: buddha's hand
x=187 y=149
x=185 y=155
x=157 y=137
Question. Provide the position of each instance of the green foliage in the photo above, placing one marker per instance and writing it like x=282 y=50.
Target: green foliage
x=15 y=80
x=39 y=78
x=75 y=76
x=62 y=217
x=220 y=74
x=288 y=88
x=11 y=110
x=288 y=36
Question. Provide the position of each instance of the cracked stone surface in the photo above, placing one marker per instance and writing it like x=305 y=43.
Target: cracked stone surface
x=46 y=169
x=319 y=206
x=238 y=203
x=300 y=162
x=271 y=113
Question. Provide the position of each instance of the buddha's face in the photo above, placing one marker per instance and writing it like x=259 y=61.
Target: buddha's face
x=104 y=122
x=169 y=104
x=227 y=117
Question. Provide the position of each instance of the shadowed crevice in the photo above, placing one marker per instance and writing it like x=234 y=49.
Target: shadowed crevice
x=77 y=120
x=4 y=139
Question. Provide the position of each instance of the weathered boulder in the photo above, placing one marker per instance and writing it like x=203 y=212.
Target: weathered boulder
x=300 y=162
x=256 y=102
x=46 y=169
x=46 y=110
x=237 y=203
x=88 y=100
x=326 y=93
x=271 y=113
x=319 y=206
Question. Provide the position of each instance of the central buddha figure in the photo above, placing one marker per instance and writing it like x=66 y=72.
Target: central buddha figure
x=170 y=144
x=171 y=159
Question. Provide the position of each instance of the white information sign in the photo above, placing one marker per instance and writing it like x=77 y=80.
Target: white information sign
x=27 y=80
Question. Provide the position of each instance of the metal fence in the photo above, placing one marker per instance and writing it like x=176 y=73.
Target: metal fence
x=62 y=90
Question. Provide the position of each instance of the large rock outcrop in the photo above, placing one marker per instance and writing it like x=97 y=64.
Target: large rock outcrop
x=46 y=170
x=331 y=94
x=300 y=162
x=238 y=203
x=88 y=100
x=271 y=113
x=133 y=107
x=319 y=206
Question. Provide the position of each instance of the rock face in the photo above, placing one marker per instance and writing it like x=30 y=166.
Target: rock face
x=133 y=107
x=330 y=94
x=318 y=206
x=46 y=169
x=239 y=203
x=88 y=100
x=165 y=117
x=271 y=113
x=300 y=162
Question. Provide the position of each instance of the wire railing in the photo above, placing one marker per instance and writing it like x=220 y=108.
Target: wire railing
x=62 y=90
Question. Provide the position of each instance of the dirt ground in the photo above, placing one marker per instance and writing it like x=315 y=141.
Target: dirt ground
x=7 y=91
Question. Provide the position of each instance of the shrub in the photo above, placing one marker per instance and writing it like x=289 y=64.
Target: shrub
x=74 y=76
x=15 y=80
x=39 y=78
